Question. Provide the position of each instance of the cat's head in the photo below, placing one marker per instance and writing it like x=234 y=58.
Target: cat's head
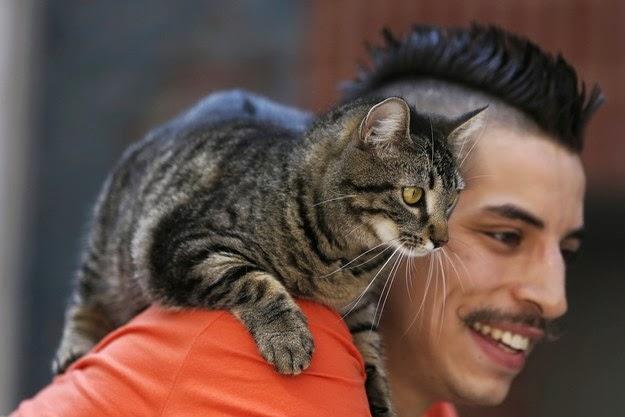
x=402 y=170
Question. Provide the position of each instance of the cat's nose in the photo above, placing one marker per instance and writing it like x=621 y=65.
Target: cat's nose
x=439 y=234
x=438 y=242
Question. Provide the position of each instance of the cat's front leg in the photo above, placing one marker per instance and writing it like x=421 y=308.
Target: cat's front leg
x=87 y=319
x=255 y=297
x=369 y=342
x=277 y=324
x=85 y=325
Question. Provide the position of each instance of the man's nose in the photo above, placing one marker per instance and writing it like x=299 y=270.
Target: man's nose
x=543 y=284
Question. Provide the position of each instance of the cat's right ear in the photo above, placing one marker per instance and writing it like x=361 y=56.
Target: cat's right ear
x=386 y=123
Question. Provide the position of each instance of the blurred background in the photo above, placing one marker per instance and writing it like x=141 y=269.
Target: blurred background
x=79 y=81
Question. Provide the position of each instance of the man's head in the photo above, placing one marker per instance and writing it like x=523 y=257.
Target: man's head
x=515 y=225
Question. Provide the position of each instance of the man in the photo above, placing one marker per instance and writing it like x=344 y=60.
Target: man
x=458 y=325
x=517 y=223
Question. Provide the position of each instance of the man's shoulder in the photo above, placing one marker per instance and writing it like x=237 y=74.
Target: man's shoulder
x=193 y=362
x=217 y=355
x=202 y=333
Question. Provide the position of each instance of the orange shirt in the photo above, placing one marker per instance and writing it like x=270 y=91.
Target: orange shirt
x=204 y=363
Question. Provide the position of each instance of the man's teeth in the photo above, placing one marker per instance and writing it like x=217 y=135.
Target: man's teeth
x=511 y=340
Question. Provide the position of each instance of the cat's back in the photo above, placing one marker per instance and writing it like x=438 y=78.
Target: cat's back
x=230 y=140
x=176 y=149
x=205 y=168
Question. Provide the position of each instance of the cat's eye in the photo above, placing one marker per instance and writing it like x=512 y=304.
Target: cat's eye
x=412 y=195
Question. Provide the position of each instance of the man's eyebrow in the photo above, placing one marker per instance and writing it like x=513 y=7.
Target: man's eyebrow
x=510 y=211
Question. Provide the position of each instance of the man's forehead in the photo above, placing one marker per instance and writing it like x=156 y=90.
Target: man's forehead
x=533 y=172
x=534 y=155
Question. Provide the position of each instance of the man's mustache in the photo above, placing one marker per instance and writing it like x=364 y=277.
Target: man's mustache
x=551 y=328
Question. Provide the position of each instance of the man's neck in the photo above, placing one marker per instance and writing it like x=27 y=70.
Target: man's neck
x=408 y=401
x=409 y=392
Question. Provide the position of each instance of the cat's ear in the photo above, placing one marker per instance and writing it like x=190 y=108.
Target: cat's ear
x=465 y=127
x=386 y=123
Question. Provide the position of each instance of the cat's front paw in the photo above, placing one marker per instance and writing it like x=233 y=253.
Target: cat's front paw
x=378 y=393
x=73 y=346
x=63 y=360
x=287 y=344
x=380 y=410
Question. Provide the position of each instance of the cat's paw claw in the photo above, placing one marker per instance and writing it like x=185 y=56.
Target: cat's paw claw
x=289 y=352
x=379 y=410
x=62 y=361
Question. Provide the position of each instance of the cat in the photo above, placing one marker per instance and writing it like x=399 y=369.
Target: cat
x=247 y=215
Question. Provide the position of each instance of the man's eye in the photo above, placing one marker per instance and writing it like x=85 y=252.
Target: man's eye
x=569 y=256
x=511 y=239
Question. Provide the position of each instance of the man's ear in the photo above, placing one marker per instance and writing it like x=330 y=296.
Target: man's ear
x=465 y=127
x=386 y=123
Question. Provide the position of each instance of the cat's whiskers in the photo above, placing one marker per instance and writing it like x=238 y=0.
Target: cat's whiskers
x=413 y=269
x=468 y=275
x=372 y=258
x=362 y=294
x=425 y=293
x=427 y=288
x=392 y=275
x=335 y=199
x=444 y=281
x=411 y=272
x=451 y=262
x=377 y=306
x=432 y=315
x=361 y=255
x=468 y=246
x=407 y=275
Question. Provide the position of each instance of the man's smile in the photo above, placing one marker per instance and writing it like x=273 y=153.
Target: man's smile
x=513 y=341
x=507 y=344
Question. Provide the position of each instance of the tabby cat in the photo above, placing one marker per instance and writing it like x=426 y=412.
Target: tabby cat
x=246 y=215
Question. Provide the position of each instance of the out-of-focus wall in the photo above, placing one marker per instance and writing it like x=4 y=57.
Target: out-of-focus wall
x=109 y=72
x=16 y=48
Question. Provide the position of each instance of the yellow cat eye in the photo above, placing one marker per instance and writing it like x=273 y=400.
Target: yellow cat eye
x=412 y=195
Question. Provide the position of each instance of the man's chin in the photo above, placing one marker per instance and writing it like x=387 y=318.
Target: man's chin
x=481 y=393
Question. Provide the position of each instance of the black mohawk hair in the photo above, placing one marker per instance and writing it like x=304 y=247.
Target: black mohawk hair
x=491 y=60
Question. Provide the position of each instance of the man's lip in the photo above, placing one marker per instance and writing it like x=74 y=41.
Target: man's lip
x=509 y=360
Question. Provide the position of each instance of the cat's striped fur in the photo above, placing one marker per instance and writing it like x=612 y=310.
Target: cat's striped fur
x=246 y=216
